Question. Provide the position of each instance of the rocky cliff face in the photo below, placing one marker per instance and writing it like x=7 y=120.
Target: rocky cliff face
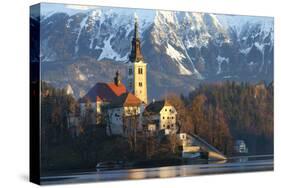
x=182 y=49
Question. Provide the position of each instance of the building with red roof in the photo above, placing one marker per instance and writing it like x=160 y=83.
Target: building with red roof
x=114 y=101
x=103 y=93
x=118 y=103
x=106 y=92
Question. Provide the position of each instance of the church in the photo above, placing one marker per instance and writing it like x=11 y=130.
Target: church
x=126 y=109
x=126 y=112
x=123 y=107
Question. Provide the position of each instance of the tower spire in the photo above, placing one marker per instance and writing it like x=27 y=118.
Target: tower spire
x=136 y=55
x=136 y=34
x=137 y=67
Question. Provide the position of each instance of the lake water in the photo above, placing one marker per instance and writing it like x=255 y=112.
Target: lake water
x=232 y=165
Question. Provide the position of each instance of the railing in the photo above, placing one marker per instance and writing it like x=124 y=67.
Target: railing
x=206 y=144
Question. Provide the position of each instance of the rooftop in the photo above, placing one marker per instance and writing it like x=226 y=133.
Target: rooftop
x=156 y=106
x=104 y=92
x=126 y=99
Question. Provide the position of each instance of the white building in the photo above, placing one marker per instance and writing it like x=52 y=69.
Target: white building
x=102 y=94
x=162 y=115
x=240 y=146
x=124 y=115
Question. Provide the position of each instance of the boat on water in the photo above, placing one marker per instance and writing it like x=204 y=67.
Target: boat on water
x=194 y=155
x=109 y=165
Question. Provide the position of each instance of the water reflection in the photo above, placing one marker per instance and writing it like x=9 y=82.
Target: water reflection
x=137 y=174
x=167 y=172
x=235 y=164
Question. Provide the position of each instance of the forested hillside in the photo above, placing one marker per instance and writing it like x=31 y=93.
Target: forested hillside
x=222 y=113
x=219 y=113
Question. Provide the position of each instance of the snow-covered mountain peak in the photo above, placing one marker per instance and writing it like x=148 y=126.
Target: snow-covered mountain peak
x=165 y=17
x=186 y=43
x=211 y=20
x=196 y=21
x=239 y=22
x=96 y=13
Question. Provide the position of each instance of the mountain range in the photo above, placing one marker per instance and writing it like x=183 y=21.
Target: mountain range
x=80 y=47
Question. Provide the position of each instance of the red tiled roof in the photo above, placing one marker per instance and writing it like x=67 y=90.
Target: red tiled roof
x=126 y=99
x=118 y=90
x=131 y=100
x=104 y=92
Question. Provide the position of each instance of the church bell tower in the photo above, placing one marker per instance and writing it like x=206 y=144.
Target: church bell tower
x=137 y=68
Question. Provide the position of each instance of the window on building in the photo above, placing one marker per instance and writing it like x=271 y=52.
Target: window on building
x=165 y=109
x=172 y=117
x=164 y=126
x=168 y=118
x=140 y=70
x=140 y=84
x=170 y=110
x=130 y=84
x=163 y=117
x=130 y=71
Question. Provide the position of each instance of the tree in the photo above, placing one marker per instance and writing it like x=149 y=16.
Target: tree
x=131 y=123
x=197 y=111
x=173 y=142
x=178 y=104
